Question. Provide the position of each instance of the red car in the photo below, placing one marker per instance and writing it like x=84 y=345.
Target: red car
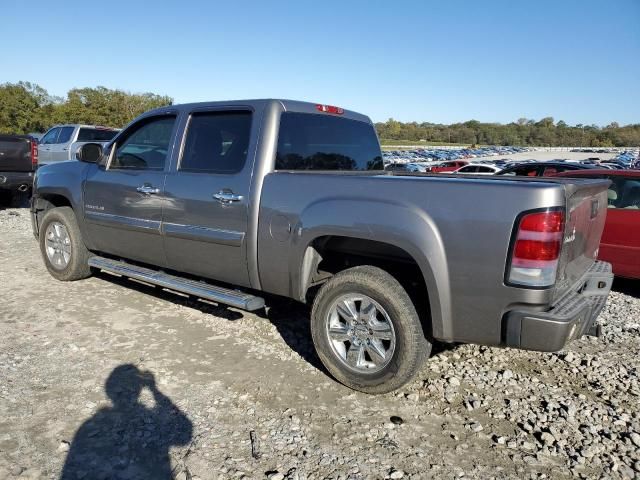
x=620 y=244
x=449 y=166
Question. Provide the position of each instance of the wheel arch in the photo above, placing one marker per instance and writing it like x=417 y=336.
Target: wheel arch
x=43 y=202
x=395 y=224
x=327 y=250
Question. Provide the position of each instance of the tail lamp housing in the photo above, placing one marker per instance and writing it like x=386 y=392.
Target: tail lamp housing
x=34 y=152
x=535 y=248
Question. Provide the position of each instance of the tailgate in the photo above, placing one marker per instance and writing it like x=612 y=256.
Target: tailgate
x=15 y=154
x=586 y=214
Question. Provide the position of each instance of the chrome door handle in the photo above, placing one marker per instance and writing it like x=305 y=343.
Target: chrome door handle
x=148 y=190
x=227 y=196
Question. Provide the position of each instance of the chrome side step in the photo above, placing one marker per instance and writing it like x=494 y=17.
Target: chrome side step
x=234 y=298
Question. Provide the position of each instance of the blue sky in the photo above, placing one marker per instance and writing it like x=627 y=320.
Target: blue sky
x=440 y=61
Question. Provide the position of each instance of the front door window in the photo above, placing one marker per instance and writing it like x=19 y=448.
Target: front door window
x=146 y=146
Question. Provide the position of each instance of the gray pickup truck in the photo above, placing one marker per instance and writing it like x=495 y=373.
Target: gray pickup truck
x=61 y=142
x=230 y=201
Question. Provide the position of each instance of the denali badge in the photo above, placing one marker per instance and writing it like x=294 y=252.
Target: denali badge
x=570 y=238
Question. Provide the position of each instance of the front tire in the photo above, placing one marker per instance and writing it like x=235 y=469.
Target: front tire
x=64 y=253
x=367 y=332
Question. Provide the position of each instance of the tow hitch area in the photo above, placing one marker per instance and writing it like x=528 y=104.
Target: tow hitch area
x=595 y=330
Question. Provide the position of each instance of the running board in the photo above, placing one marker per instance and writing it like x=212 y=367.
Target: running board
x=234 y=298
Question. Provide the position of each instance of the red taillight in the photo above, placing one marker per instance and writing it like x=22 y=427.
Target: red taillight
x=34 y=153
x=330 y=109
x=536 y=250
x=534 y=258
x=543 y=222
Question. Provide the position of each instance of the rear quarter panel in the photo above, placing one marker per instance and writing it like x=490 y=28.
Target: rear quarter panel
x=457 y=229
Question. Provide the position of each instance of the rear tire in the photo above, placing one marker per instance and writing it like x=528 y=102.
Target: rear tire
x=64 y=253
x=367 y=332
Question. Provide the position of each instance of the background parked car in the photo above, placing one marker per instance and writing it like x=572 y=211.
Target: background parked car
x=479 y=169
x=543 y=169
x=620 y=244
x=447 y=166
x=406 y=167
x=61 y=142
x=18 y=161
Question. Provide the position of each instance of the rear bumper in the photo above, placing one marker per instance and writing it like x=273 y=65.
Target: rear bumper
x=571 y=317
x=15 y=180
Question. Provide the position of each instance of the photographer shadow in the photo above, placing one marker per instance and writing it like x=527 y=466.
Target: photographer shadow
x=128 y=439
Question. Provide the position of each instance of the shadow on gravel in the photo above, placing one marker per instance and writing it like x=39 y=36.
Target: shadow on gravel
x=128 y=439
x=290 y=318
x=440 y=347
x=14 y=199
x=221 y=311
x=627 y=286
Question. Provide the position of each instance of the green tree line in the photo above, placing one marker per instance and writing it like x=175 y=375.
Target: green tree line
x=26 y=107
x=523 y=132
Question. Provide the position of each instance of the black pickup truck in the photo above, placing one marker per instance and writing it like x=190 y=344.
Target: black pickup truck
x=290 y=198
x=18 y=162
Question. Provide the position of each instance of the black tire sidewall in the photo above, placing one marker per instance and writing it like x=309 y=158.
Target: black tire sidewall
x=77 y=267
x=411 y=345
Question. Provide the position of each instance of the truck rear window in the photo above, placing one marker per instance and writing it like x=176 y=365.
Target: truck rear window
x=322 y=142
x=96 y=135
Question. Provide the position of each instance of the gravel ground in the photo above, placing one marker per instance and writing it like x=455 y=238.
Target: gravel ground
x=108 y=378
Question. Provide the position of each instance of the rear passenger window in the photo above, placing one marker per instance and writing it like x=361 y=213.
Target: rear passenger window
x=65 y=134
x=96 y=134
x=321 y=142
x=145 y=146
x=217 y=142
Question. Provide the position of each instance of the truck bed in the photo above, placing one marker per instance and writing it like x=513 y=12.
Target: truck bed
x=450 y=224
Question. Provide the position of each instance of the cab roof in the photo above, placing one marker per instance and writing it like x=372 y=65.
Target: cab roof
x=285 y=105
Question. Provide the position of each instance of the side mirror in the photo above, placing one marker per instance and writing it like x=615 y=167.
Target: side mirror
x=89 y=152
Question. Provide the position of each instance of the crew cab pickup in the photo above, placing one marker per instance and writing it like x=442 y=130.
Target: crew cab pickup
x=18 y=162
x=61 y=142
x=237 y=201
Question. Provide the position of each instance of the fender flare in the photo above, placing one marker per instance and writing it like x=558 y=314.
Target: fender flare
x=409 y=229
